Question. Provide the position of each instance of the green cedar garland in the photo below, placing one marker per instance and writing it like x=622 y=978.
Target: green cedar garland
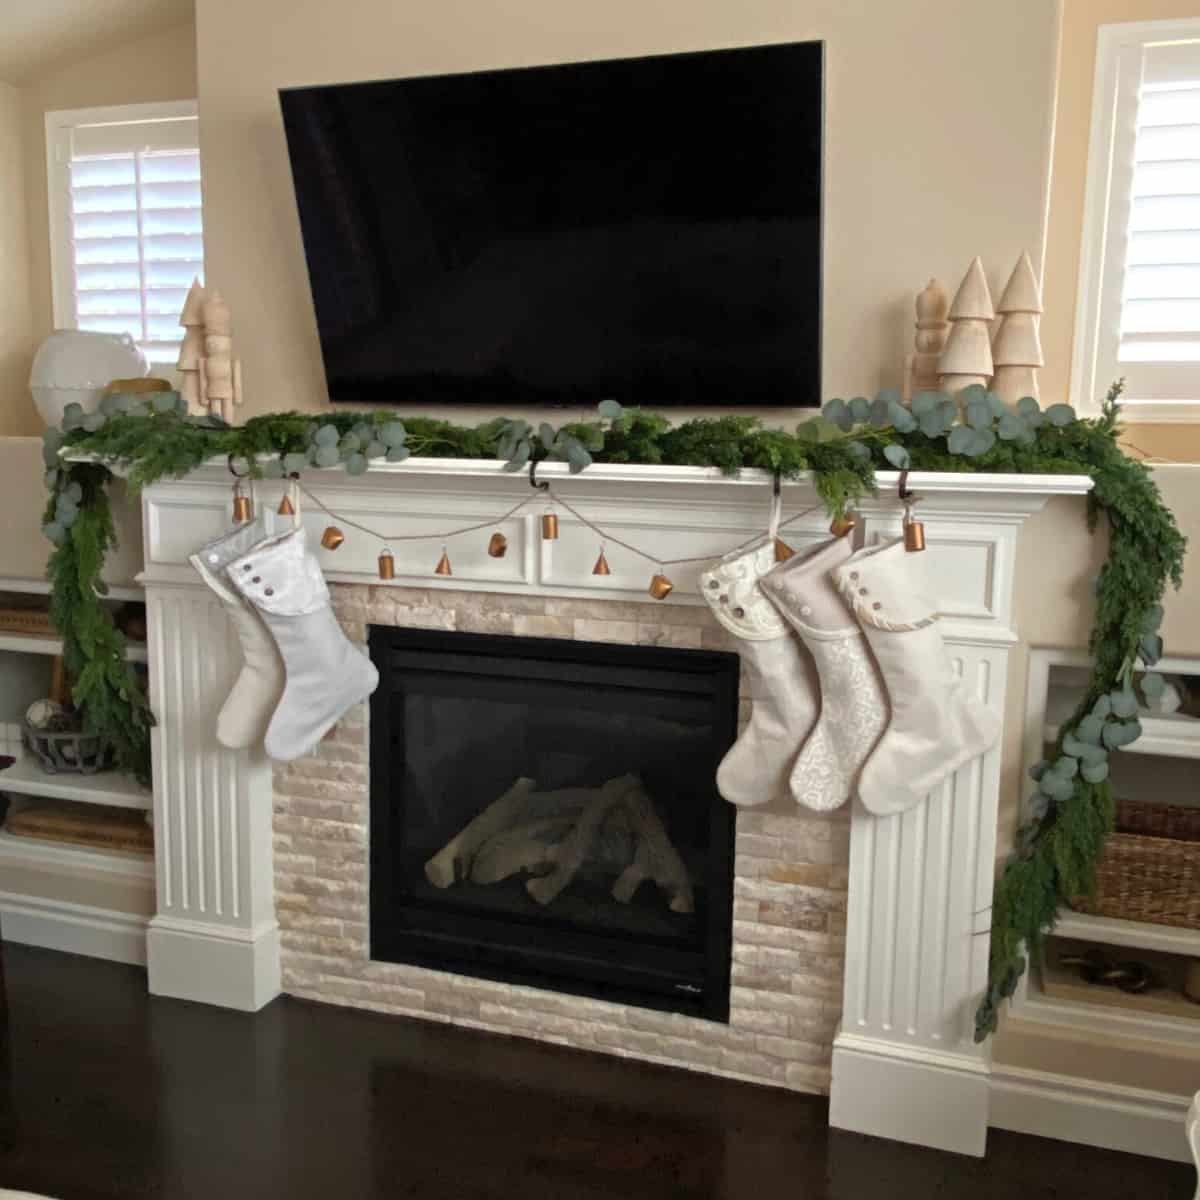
x=1071 y=812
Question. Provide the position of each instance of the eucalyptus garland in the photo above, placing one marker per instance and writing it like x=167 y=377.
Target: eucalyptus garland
x=1071 y=811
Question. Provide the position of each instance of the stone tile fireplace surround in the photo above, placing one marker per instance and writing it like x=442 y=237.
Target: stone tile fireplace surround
x=859 y=944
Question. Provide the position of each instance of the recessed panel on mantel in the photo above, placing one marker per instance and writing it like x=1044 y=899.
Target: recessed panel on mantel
x=958 y=570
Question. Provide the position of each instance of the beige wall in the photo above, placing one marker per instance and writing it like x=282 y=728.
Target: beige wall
x=159 y=66
x=15 y=324
x=1076 y=69
x=921 y=171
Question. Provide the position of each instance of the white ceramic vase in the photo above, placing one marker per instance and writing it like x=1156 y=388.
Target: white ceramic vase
x=76 y=365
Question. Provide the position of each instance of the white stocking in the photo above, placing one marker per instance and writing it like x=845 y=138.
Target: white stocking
x=243 y=718
x=780 y=674
x=326 y=672
x=853 y=705
x=936 y=724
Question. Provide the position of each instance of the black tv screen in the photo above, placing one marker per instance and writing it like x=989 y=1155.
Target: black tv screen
x=646 y=229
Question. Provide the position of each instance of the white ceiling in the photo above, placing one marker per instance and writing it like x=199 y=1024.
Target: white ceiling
x=38 y=35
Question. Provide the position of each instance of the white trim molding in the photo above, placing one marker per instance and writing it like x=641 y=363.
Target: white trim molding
x=1107 y=1115
x=74 y=928
x=1108 y=200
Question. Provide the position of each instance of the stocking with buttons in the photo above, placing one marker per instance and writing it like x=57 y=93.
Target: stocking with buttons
x=246 y=712
x=326 y=674
x=936 y=724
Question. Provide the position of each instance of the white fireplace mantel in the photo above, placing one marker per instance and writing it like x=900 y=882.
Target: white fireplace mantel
x=904 y=1061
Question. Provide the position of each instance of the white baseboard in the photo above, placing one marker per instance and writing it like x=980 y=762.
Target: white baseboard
x=1090 y=1113
x=909 y=1094
x=214 y=964
x=74 y=928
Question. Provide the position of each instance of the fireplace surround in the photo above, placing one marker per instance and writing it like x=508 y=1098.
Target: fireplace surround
x=494 y=758
x=859 y=944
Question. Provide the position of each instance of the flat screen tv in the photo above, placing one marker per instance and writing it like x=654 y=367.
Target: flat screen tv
x=646 y=229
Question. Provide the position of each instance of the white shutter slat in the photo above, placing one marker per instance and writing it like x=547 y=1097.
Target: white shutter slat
x=137 y=231
x=1175 y=178
x=1180 y=107
x=1163 y=249
x=1168 y=143
x=1178 y=281
x=1164 y=213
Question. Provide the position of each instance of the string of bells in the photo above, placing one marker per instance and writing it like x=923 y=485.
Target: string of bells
x=660 y=585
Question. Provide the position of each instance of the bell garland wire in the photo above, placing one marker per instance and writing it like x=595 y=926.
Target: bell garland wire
x=547 y=494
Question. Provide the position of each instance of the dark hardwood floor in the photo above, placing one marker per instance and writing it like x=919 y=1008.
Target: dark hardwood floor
x=105 y=1092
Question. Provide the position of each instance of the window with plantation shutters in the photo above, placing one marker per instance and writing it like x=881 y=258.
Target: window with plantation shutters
x=1138 y=315
x=126 y=228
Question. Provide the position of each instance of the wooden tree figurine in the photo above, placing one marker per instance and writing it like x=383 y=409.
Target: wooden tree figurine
x=931 y=305
x=191 y=349
x=967 y=358
x=1017 y=350
x=220 y=373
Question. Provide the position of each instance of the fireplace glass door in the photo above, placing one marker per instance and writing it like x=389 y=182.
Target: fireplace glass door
x=544 y=812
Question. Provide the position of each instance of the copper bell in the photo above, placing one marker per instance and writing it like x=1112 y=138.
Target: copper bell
x=914 y=531
x=241 y=505
x=387 y=565
x=782 y=550
x=842 y=525
x=286 y=507
x=549 y=526
x=332 y=538
x=497 y=545
x=601 y=567
x=443 y=567
x=661 y=587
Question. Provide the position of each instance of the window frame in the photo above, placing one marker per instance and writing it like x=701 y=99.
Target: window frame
x=1094 y=365
x=59 y=126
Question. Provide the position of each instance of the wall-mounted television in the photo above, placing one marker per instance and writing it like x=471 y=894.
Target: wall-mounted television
x=646 y=229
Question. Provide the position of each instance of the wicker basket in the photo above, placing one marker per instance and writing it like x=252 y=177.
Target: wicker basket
x=1147 y=879
x=1159 y=820
x=67 y=753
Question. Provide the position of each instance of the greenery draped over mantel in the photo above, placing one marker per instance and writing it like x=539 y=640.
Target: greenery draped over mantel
x=1071 y=810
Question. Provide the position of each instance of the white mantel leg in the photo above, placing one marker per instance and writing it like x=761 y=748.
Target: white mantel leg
x=905 y=1064
x=214 y=938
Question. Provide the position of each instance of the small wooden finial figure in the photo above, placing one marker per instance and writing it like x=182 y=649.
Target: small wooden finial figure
x=1017 y=350
x=930 y=340
x=220 y=373
x=191 y=349
x=967 y=358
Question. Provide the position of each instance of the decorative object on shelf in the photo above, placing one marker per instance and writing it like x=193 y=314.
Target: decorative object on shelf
x=1153 y=879
x=96 y=826
x=1191 y=982
x=332 y=538
x=497 y=545
x=130 y=619
x=75 y=366
x=243 y=718
x=1058 y=847
x=69 y=750
x=220 y=372
x=1017 y=349
x=967 y=357
x=932 y=304
x=387 y=565
x=191 y=348
x=1152 y=819
x=47 y=715
x=325 y=673
x=756 y=769
x=25 y=614
x=1094 y=966
x=137 y=387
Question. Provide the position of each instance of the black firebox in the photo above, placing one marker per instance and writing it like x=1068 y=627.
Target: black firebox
x=544 y=812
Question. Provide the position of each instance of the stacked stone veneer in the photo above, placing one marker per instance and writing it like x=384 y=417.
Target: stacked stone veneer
x=789 y=887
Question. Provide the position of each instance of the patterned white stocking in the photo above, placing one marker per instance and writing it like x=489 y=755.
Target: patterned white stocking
x=936 y=724
x=853 y=705
x=780 y=674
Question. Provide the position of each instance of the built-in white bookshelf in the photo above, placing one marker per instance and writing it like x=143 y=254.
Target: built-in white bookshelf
x=89 y=900
x=1164 y=766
